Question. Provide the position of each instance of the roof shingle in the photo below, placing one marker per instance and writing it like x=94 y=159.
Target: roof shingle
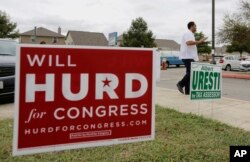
x=43 y=32
x=165 y=43
x=88 y=38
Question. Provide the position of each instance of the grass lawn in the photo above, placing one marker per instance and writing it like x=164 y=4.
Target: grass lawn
x=179 y=137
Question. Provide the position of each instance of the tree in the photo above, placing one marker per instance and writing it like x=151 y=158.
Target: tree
x=138 y=35
x=240 y=41
x=236 y=29
x=204 y=47
x=7 y=28
x=245 y=7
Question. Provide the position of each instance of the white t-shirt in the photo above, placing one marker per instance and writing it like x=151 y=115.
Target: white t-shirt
x=188 y=52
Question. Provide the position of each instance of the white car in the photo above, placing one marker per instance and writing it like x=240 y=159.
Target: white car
x=230 y=62
x=245 y=65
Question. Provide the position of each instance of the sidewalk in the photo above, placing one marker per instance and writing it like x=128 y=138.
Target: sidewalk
x=230 y=111
x=6 y=111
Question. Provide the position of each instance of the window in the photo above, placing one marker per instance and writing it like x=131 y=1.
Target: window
x=55 y=40
x=7 y=47
x=33 y=39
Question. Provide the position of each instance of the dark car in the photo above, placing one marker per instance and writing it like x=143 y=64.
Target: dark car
x=7 y=70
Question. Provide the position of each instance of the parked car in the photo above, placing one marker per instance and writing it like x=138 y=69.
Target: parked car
x=7 y=70
x=217 y=59
x=230 y=62
x=172 y=60
x=245 y=64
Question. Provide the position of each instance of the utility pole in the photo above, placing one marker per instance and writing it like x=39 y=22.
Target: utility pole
x=213 y=31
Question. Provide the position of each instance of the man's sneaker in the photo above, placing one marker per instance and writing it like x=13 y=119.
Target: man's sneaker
x=180 y=88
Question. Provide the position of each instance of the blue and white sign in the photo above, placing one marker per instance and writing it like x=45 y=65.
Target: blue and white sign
x=113 y=39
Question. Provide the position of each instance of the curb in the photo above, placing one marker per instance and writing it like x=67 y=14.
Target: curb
x=236 y=76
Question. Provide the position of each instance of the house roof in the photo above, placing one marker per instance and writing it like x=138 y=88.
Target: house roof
x=166 y=43
x=88 y=38
x=162 y=43
x=42 y=32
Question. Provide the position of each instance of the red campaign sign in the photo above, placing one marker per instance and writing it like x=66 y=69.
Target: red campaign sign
x=75 y=97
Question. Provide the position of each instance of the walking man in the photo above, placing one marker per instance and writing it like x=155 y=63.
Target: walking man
x=188 y=54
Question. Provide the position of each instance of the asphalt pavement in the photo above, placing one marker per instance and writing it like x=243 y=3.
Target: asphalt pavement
x=231 y=87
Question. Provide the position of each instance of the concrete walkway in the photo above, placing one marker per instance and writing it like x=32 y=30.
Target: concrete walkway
x=6 y=111
x=230 y=111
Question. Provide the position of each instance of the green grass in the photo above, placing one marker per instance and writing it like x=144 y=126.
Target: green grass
x=179 y=137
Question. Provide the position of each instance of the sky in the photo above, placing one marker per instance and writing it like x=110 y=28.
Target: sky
x=166 y=18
